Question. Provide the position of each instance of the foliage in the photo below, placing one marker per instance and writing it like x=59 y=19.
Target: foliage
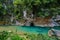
x=17 y=37
x=49 y=6
x=40 y=8
x=3 y=35
x=40 y=37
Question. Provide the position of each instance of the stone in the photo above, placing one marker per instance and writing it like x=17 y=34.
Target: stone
x=54 y=32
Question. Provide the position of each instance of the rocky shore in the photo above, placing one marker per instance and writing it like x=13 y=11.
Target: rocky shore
x=43 y=22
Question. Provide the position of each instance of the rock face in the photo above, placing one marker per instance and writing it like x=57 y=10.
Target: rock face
x=58 y=19
x=32 y=24
x=41 y=22
x=45 y=22
x=29 y=22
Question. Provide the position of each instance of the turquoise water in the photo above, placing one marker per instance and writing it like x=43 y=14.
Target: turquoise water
x=42 y=30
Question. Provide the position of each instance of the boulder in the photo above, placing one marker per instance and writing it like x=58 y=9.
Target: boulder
x=54 y=32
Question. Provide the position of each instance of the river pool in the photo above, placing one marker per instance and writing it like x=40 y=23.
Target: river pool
x=36 y=29
x=29 y=29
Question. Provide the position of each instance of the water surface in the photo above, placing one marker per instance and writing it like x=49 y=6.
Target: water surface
x=42 y=30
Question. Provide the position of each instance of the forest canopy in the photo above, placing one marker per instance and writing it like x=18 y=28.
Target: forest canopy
x=40 y=8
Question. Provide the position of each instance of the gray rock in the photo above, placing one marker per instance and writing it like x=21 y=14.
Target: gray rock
x=54 y=32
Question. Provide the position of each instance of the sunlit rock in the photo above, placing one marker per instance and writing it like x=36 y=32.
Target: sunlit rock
x=25 y=14
x=54 y=32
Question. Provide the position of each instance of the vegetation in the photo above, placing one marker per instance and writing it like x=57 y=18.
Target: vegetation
x=4 y=35
x=12 y=10
x=40 y=37
x=16 y=37
x=40 y=8
x=12 y=36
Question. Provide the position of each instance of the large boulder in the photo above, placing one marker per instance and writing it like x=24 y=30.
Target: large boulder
x=54 y=32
